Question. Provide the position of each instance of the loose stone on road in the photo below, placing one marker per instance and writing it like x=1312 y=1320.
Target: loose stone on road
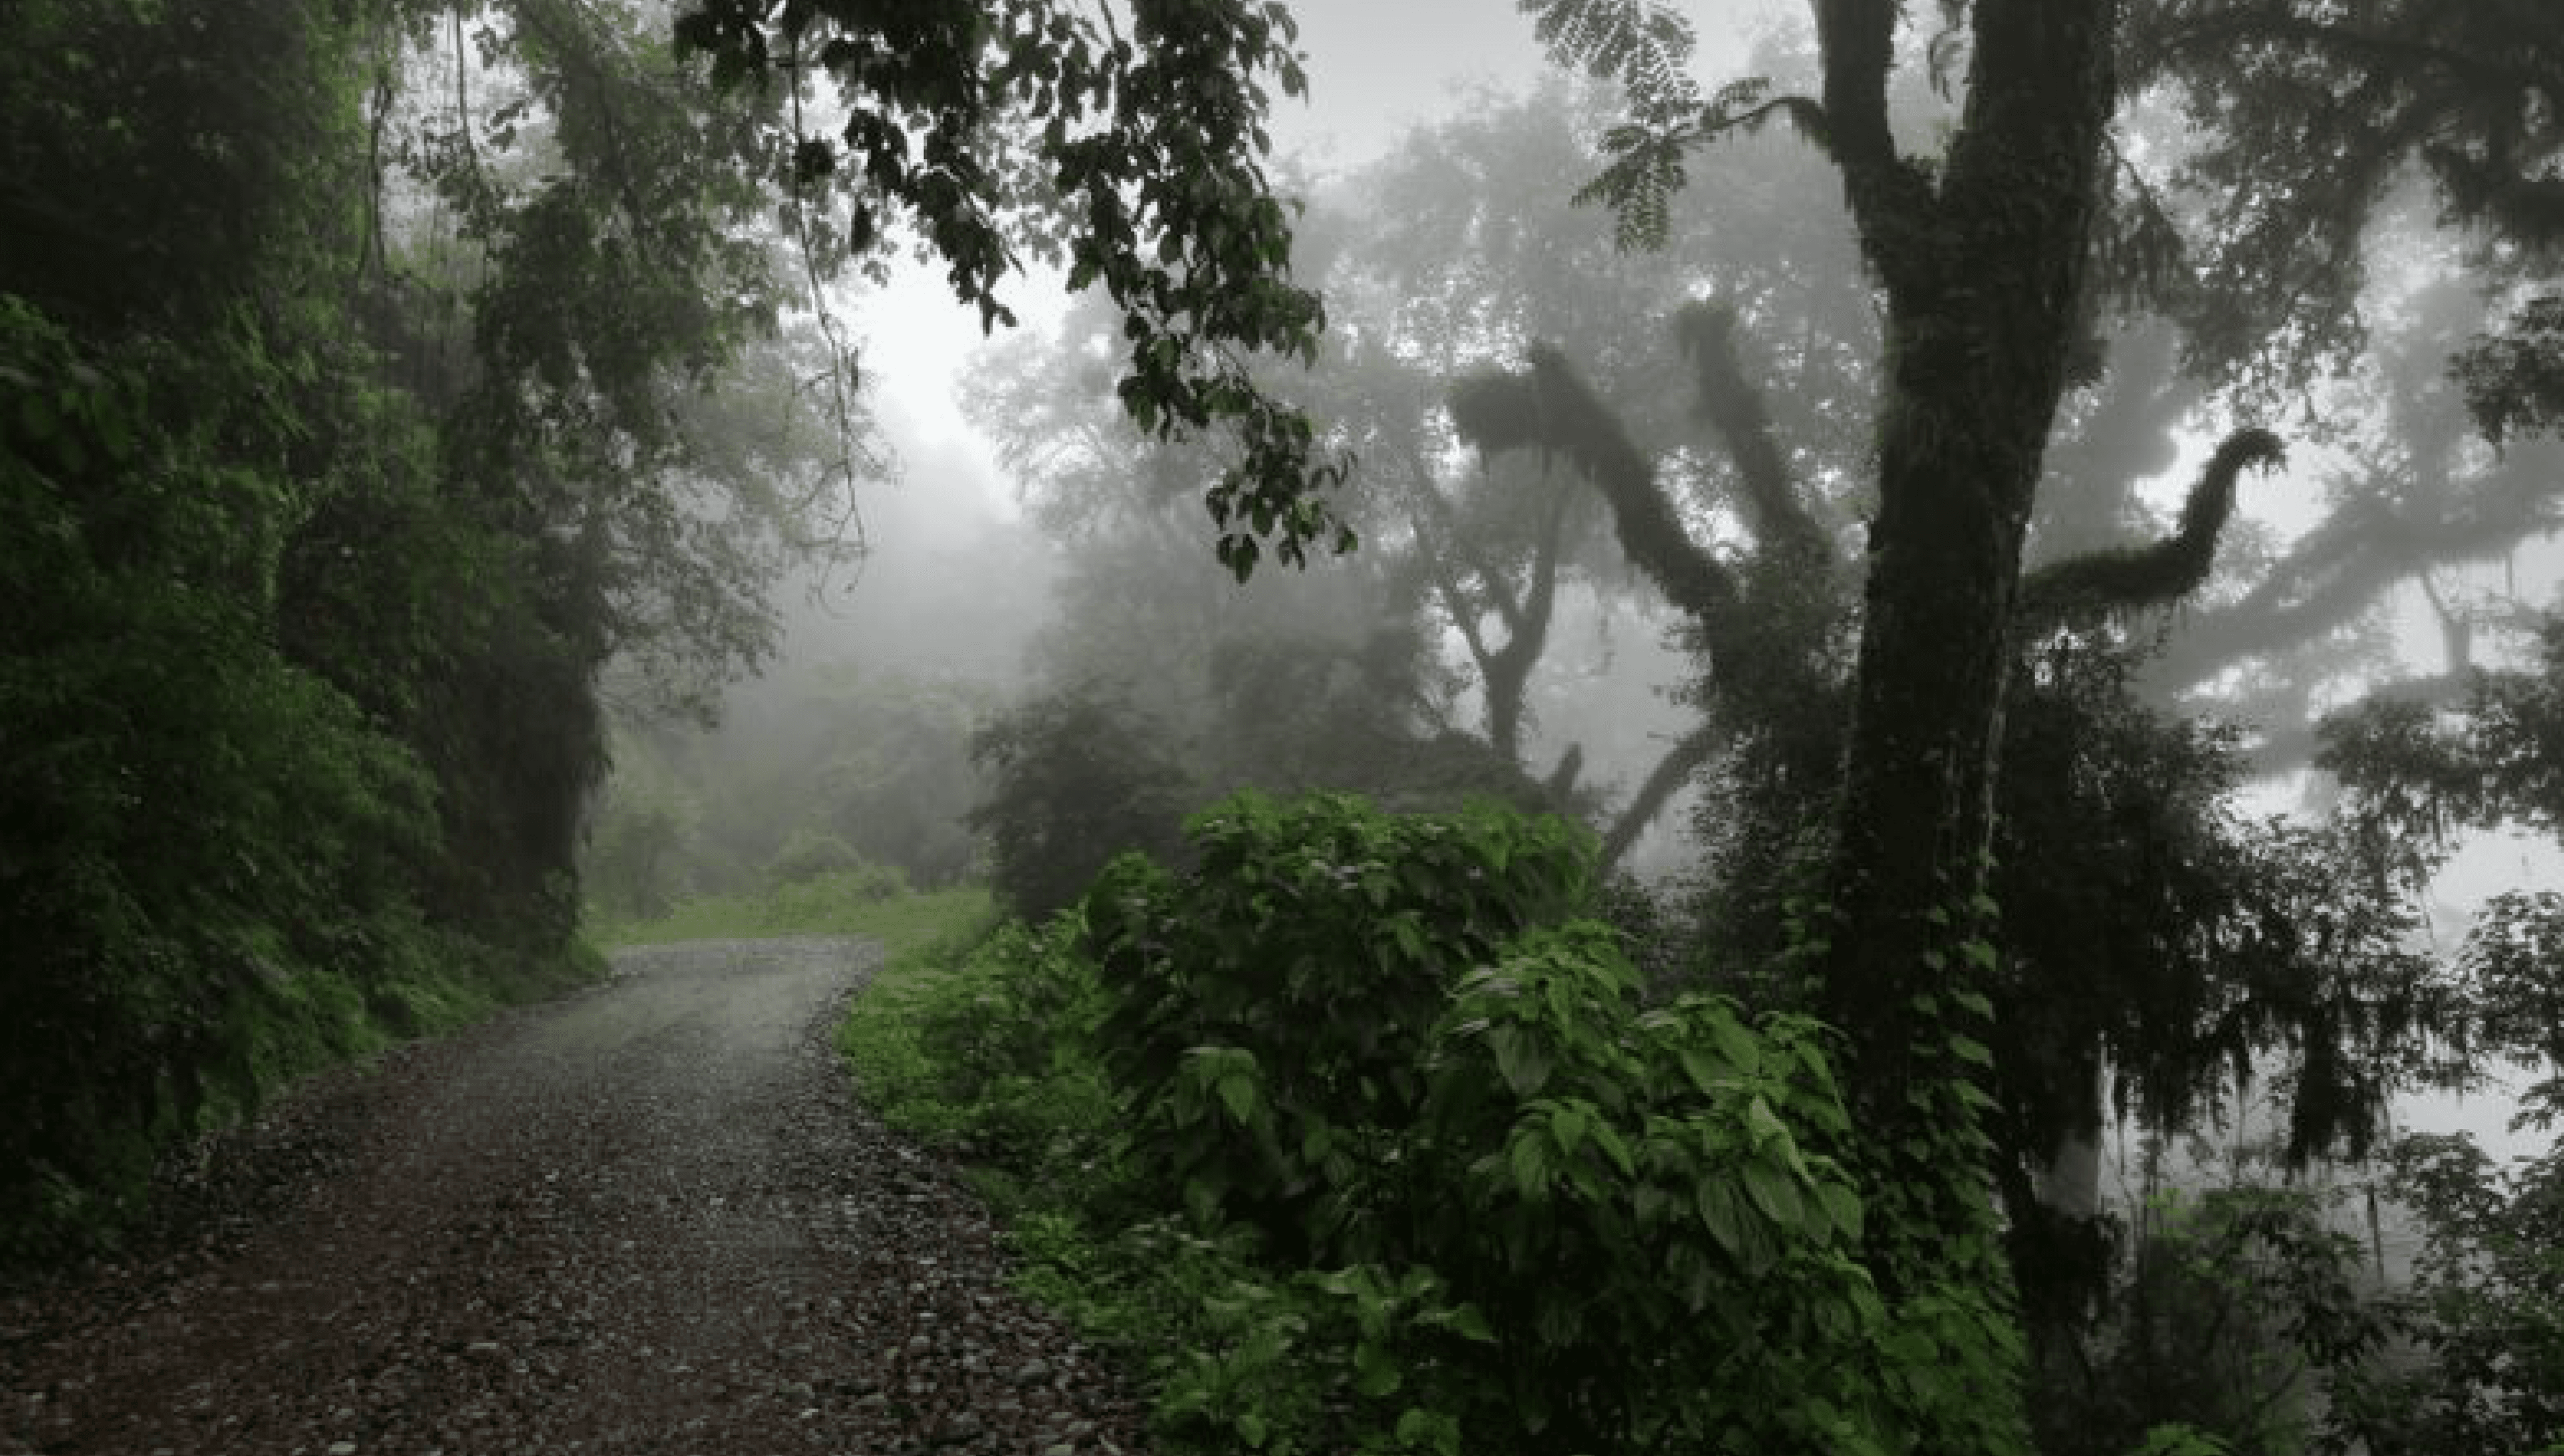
x=646 y=1219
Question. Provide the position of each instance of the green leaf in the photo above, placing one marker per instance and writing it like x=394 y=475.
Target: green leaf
x=1567 y=1124
x=1237 y=1092
x=1737 y=1043
x=1522 y=1061
x=1467 y=1322
x=1717 y=1205
x=1843 y=1208
x=1762 y=1126
x=1776 y=1195
x=1704 y=1074
x=1376 y=1371
x=1614 y=1147
x=1530 y=1165
x=1253 y=1428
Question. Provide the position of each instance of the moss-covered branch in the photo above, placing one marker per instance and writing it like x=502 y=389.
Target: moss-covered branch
x=1671 y=772
x=1548 y=408
x=2087 y=587
x=1733 y=406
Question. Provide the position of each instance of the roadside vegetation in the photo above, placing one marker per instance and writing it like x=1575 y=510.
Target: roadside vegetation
x=1365 y=1134
x=412 y=409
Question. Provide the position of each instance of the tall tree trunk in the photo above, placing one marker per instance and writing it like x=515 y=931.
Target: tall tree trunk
x=1982 y=266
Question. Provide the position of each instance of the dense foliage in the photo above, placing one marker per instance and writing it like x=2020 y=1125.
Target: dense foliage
x=1324 y=1123
x=1140 y=160
x=248 y=826
x=420 y=370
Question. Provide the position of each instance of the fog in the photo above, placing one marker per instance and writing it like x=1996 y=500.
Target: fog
x=1027 y=544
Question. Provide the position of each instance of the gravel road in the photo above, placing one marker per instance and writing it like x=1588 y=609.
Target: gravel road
x=646 y=1219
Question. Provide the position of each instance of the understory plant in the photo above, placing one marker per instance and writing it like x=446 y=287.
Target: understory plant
x=1515 y=1209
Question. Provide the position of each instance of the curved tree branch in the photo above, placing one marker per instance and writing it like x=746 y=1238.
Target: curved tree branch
x=1671 y=772
x=2087 y=587
x=1548 y=409
x=2342 y=566
x=1733 y=406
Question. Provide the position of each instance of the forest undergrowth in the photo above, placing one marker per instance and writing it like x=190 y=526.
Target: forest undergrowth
x=1365 y=1136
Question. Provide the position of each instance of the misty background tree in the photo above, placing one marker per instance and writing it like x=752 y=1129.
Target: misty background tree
x=374 y=413
x=444 y=373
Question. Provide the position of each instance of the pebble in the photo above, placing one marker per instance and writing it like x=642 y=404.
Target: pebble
x=687 y=1247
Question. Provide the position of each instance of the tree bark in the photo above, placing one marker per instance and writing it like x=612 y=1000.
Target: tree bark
x=1983 y=265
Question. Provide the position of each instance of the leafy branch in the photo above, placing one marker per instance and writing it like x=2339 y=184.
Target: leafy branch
x=1147 y=147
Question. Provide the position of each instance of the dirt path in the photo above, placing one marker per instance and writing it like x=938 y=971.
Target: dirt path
x=644 y=1219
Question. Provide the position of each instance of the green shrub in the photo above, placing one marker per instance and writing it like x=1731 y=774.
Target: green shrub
x=1007 y=1036
x=1635 y=1194
x=808 y=853
x=1294 y=972
x=1076 y=777
x=805 y=901
x=1531 y=1213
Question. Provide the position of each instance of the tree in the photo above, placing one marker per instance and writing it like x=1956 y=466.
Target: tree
x=2333 y=152
x=350 y=434
x=1480 y=256
x=2352 y=101
x=1136 y=158
x=1991 y=258
x=1981 y=257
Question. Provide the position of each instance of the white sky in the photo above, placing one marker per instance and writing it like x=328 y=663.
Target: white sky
x=1376 y=68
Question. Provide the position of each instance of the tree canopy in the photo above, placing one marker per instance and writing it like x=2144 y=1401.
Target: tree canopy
x=1041 y=127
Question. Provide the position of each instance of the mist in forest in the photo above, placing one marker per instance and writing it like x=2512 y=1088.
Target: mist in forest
x=1042 y=667
x=1028 y=543
x=1889 y=694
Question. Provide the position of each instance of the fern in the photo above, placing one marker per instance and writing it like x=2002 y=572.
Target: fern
x=1647 y=47
x=1644 y=45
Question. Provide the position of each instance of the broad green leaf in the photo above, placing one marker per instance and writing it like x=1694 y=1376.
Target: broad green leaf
x=1613 y=1147
x=1775 y=1195
x=1376 y=1371
x=1521 y=1060
x=1737 y=1044
x=1843 y=1208
x=1718 y=1212
x=1237 y=1092
x=1467 y=1322
x=1704 y=1074
x=1529 y=1164
x=1762 y=1126
x=1568 y=1126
